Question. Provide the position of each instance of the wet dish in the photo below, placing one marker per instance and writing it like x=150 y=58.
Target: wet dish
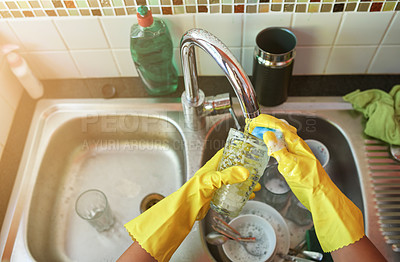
x=277 y=222
x=251 y=226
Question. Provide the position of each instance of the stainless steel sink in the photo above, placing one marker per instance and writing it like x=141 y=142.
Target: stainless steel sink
x=341 y=167
x=126 y=156
x=129 y=148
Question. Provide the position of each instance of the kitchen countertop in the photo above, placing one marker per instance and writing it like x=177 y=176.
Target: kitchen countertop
x=212 y=85
x=132 y=88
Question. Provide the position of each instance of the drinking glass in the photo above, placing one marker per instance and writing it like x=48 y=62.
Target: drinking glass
x=274 y=189
x=241 y=149
x=92 y=206
x=298 y=213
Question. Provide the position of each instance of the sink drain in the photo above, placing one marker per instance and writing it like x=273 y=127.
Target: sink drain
x=149 y=201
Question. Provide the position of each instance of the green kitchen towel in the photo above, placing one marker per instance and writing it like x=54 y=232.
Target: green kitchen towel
x=382 y=111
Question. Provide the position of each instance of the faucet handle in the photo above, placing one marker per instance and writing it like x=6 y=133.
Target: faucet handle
x=219 y=104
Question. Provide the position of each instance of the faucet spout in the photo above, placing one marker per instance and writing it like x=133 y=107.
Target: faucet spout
x=193 y=97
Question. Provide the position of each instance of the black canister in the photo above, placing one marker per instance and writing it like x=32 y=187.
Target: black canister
x=273 y=65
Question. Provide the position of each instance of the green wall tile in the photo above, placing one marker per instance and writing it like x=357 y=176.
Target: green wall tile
x=81 y=3
x=118 y=3
x=313 y=8
x=23 y=4
x=73 y=12
x=155 y=10
x=179 y=10
x=108 y=11
x=389 y=6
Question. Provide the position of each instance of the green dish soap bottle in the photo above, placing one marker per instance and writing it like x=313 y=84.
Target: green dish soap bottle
x=152 y=53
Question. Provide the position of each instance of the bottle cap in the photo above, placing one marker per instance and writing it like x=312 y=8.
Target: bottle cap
x=8 y=48
x=14 y=59
x=144 y=16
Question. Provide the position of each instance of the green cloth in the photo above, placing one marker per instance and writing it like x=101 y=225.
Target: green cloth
x=382 y=111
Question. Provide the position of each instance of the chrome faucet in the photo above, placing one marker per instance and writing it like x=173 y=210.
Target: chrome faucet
x=195 y=105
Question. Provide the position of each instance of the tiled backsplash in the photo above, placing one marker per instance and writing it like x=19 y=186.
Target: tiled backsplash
x=334 y=43
x=38 y=8
x=94 y=46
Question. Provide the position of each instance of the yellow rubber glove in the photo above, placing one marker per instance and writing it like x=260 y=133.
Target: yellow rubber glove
x=337 y=221
x=162 y=228
x=256 y=188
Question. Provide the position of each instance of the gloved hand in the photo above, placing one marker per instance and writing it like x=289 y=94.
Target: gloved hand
x=162 y=228
x=337 y=221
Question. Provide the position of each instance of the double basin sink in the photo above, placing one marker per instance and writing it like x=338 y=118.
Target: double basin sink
x=136 y=149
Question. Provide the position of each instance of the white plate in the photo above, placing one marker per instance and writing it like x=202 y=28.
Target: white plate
x=255 y=226
x=277 y=222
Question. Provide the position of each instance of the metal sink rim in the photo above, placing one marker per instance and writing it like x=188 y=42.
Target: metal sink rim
x=332 y=109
